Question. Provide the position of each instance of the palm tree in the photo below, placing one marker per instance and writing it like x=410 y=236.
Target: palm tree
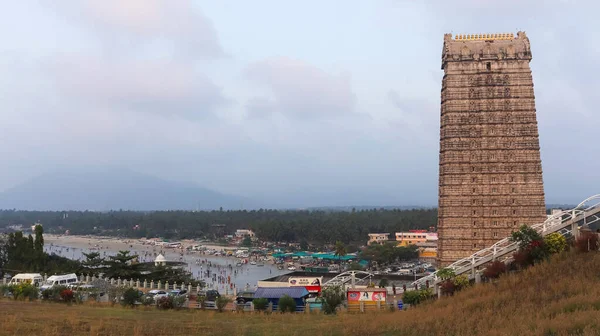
x=340 y=249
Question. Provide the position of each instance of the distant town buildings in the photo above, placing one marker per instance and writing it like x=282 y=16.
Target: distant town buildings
x=416 y=237
x=425 y=240
x=241 y=233
x=160 y=260
x=378 y=238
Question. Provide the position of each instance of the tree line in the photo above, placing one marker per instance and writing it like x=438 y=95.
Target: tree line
x=312 y=226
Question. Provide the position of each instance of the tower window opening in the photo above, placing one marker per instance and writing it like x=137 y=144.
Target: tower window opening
x=488 y=65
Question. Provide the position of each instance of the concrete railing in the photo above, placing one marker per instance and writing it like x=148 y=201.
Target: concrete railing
x=142 y=285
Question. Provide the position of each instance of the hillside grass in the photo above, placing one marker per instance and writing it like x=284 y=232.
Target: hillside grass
x=560 y=297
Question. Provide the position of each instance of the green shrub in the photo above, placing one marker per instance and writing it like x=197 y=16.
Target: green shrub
x=201 y=299
x=332 y=297
x=221 y=302
x=53 y=293
x=130 y=297
x=287 y=304
x=411 y=297
x=5 y=290
x=260 y=304
x=417 y=296
x=461 y=282
x=555 y=242
x=24 y=291
x=178 y=301
x=147 y=300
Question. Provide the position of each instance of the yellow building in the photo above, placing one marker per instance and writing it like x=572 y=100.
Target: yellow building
x=427 y=252
x=415 y=237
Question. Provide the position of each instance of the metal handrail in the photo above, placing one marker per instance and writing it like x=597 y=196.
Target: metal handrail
x=559 y=222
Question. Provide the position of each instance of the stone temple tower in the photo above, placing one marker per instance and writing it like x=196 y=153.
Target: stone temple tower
x=490 y=180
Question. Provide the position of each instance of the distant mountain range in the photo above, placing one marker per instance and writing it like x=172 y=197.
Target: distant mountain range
x=103 y=189
x=112 y=189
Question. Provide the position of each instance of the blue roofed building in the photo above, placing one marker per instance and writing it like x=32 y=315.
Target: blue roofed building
x=273 y=294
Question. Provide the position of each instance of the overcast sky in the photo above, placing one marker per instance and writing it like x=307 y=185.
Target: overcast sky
x=331 y=102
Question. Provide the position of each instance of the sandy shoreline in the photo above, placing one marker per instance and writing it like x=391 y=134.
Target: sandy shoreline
x=115 y=244
x=197 y=263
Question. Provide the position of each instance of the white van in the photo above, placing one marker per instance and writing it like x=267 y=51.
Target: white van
x=33 y=278
x=60 y=280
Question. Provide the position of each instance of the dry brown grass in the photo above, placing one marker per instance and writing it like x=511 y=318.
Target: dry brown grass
x=561 y=297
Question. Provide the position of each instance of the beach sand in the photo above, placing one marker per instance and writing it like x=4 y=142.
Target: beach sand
x=113 y=243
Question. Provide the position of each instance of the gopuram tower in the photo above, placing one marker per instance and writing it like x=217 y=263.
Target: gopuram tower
x=490 y=180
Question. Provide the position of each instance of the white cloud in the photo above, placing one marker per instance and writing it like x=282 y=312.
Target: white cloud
x=162 y=87
x=301 y=90
x=141 y=25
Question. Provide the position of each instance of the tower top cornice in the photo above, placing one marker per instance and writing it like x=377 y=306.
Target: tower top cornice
x=475 y=47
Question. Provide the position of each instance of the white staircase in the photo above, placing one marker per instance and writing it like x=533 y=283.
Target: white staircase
x=566 y=223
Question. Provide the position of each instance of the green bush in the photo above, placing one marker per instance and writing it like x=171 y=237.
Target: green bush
x=411 y=297
x=555 y=242
x=417 y=296
x=178 y=301
x=5 y=290
x=130 y=297
x=287 y=304
x=147 y=300
x=24 y=291
x=260 y=304
x=461 y=282
x=201 y=299
x=221 y=302
x=332 y=297
x=53 y=293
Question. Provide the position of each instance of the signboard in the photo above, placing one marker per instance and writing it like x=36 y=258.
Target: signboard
x=358 y=295
x=305 y=281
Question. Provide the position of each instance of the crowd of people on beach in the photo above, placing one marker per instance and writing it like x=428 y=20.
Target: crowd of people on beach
x=224 y=274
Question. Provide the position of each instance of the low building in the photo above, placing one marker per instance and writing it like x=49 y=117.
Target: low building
x=241 y=233
x=428 y=254
x=378 y=238
x=160 y=260
x=416 y=237
x=273 y=294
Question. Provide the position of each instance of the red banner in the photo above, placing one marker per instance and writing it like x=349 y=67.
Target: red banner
x=313 y=289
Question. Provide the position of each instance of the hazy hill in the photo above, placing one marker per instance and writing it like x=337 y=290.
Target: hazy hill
x=106 y=189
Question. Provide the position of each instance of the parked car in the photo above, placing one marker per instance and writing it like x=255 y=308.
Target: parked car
x=244 y=297
x=156 y=294
x=211 y=294
x=179 y=292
